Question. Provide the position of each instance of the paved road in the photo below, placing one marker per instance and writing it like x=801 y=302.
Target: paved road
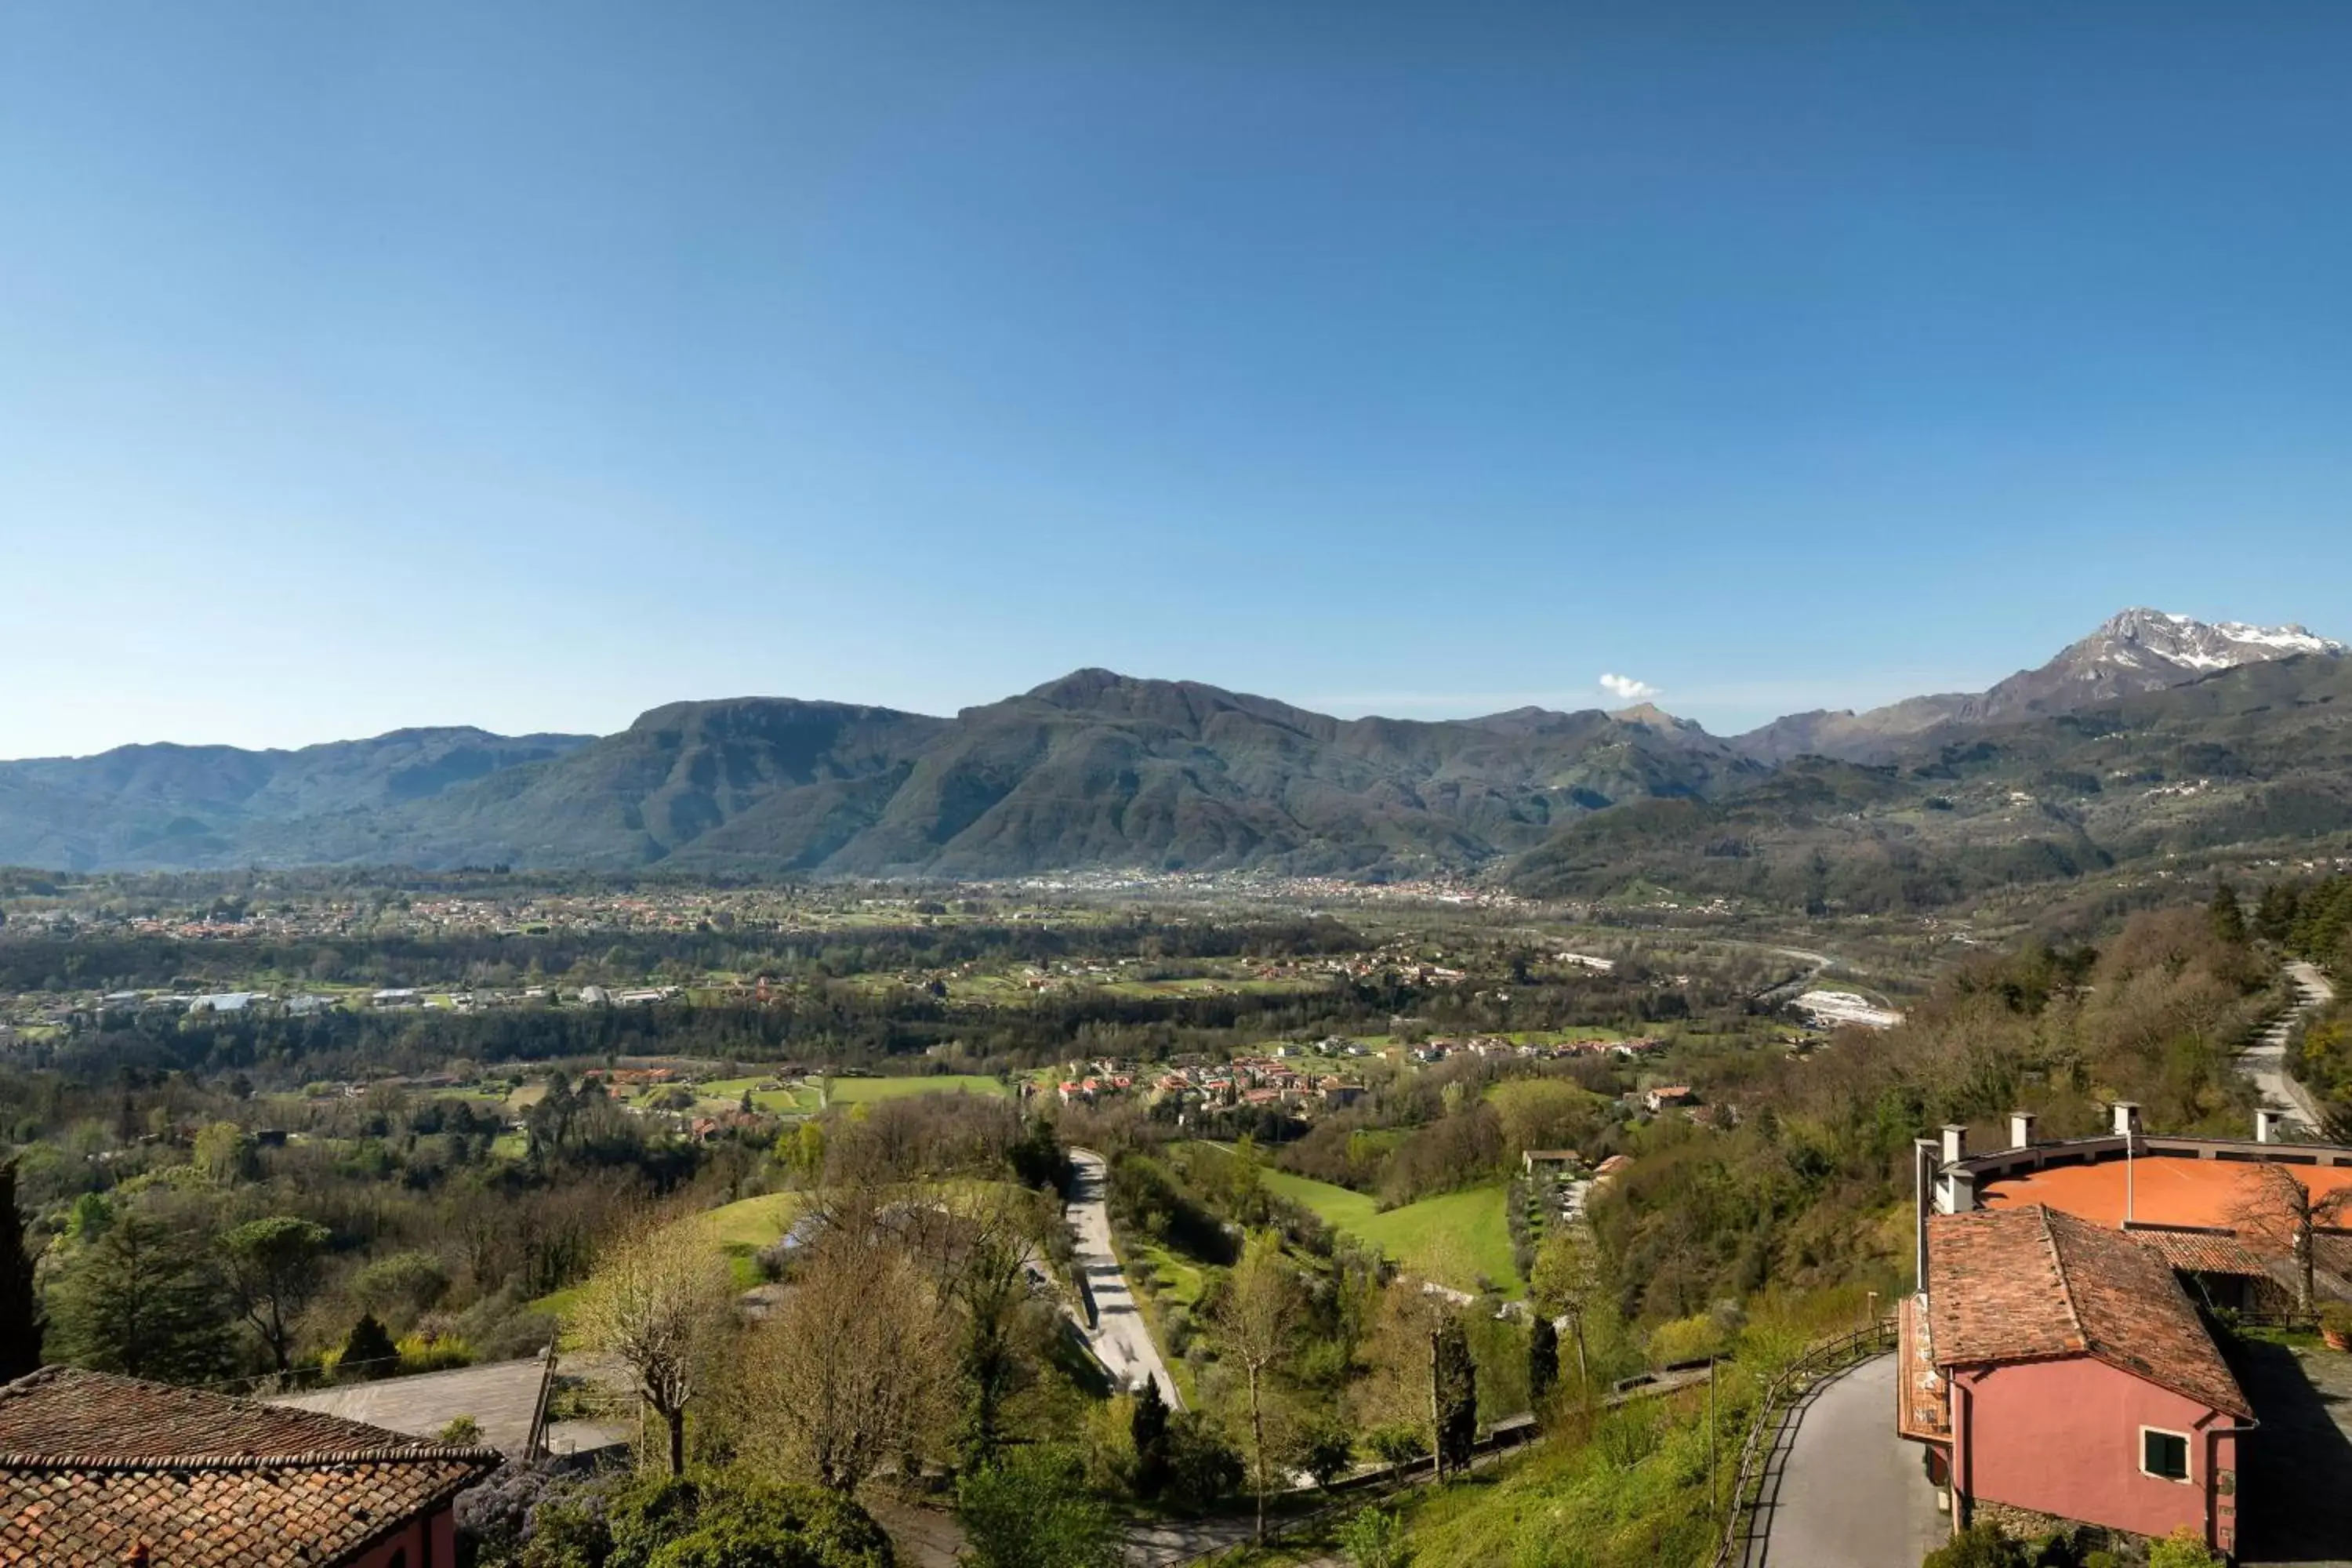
x=2265 y=1060
x=1120 y=1338
x=502 y=1396
x=1841 y=1489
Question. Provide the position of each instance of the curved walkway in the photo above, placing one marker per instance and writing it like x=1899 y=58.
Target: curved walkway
x=1121 y=1339
x=1841 y=1489
x=2265 y=1060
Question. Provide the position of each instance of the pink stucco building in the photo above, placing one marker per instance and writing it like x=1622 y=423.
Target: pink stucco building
x=2059 y=1375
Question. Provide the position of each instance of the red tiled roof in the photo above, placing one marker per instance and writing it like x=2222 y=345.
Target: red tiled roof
x=2033 y=1284
x=2204 y=1252
x=93 y=1465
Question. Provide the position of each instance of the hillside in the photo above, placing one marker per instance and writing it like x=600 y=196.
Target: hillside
x=2156 y=736
x=167 y=805
x=1092 y=768
x=2257 y=756
x=2136 y=652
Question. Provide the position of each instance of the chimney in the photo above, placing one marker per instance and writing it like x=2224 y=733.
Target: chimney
x=2020 y=1129
x=1956 y=1142
x=2127 y=1115
x=2266 y=1124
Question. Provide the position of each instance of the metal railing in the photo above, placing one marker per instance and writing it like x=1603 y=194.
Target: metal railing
x=1793 y=1381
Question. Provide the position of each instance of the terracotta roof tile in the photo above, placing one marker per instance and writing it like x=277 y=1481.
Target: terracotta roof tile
x=92 y=1465
x=2031 y=1284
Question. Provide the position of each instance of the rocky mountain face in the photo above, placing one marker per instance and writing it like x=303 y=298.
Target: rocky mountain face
x=2154 y=736
x=2138 y=650
x=2144 y=650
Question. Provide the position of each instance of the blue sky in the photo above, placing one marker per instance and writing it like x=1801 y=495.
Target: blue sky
x=372 y=364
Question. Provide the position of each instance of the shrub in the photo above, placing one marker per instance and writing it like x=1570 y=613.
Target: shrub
x=434 y=1352
x=2184 y=1548
x=462 y=1432
x=1981 y=1545
x=1374 y=1539
x=1031 y=1510
x=1202 y=1467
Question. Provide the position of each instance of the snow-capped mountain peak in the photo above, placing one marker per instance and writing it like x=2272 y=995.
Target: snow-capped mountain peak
x=2150 y=639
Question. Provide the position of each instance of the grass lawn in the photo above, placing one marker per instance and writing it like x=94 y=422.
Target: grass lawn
x=865 y=1090
x=779 y=1101
x=1451 y=1238
x=738 y=1229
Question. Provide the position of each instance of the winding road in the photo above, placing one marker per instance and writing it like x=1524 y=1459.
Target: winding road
x=2265 y=1060
x=1121 y=1339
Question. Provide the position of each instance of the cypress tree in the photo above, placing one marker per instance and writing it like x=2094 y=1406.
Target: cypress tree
x=1149 y=1429
x=1543 y=1360
x=1454 y=1379
x=369 y=1349
x=2229 y=919
x=20 y=1303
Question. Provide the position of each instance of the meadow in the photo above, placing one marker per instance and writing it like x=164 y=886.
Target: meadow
x=1452 y=1239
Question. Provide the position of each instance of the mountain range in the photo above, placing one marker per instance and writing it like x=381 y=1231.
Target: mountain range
x=2156 y=733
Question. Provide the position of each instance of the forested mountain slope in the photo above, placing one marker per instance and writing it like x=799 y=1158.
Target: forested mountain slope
x=2151 y=738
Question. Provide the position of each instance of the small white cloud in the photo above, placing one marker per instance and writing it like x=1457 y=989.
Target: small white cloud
x=1625 y=689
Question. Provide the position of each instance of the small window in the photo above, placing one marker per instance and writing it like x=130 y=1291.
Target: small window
x=2164 y=1454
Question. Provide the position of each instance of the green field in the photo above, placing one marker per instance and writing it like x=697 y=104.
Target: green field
x=1452 y=1238
x=739 y=1229
x=866 y=1091
x=783 y=1102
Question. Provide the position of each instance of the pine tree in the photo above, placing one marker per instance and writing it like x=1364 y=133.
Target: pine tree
x=20 y=1303
x=1149 y=1429
x=1543 y=1360
x=143 y=1299
x=1454 y=1397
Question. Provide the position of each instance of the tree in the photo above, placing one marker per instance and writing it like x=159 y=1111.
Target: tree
x=223 y=1152
x=703 y=1521
x=142 y=1299
x=660 y=1302
x=980 y=1251
x=401 y=1285
x=20 y=1301
x=1566 y=1282
x=1543 y=1360
x=1031 y=1510
x=1258 y=1319
x=1455 y=1401
x=272 y=1267
x=369 y=1349
x=2281 y=1211
x=2229 y=917
x=1325 y=1449
x=2274 y=915
x=1374 y=1539
x=1147 y=1427
x=856 y=1366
